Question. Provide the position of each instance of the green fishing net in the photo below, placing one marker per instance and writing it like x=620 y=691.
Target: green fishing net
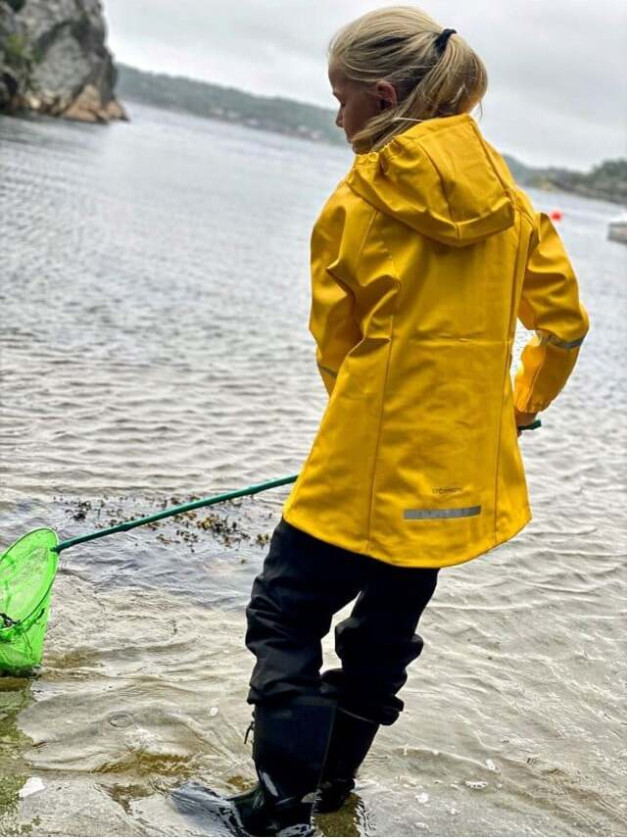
x=27 y=571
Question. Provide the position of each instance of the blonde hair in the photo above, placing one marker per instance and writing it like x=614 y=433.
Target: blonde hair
x=397 y=44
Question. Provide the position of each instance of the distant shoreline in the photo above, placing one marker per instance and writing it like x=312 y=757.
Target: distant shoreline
x=607 y=182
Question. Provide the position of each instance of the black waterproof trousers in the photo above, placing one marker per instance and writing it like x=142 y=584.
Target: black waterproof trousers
x=303 y=583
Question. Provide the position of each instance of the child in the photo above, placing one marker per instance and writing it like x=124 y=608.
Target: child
x=422 y=259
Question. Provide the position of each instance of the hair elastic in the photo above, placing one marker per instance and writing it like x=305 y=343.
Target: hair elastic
x=442 y=40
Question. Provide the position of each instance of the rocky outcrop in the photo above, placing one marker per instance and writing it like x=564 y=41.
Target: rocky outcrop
x=54 y=60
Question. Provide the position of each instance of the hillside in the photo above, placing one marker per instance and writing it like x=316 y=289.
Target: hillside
x=284 y=116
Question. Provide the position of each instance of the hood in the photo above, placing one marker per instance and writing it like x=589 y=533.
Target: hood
x=440 y=178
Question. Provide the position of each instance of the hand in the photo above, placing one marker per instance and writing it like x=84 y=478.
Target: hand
x=523 y=419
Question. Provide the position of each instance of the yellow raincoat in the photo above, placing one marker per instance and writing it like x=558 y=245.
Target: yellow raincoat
x=422 y=260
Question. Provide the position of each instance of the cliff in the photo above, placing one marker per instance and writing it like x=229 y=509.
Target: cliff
x=54 y=60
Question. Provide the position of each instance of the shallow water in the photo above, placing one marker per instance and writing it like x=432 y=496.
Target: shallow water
x=154 y=347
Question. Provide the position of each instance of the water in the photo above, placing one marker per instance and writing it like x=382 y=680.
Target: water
x=155 y=296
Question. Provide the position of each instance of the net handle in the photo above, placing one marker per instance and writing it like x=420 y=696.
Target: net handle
x=164 y=514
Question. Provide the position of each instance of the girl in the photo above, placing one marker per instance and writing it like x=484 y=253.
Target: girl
x=422 y=259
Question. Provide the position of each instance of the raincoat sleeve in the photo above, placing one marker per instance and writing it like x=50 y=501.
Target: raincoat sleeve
x=549 y=305
x=332 y=325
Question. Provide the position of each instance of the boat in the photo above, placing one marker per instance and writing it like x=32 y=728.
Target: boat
x=617 y=229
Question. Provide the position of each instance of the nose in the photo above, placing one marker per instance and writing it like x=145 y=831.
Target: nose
x=338 y=118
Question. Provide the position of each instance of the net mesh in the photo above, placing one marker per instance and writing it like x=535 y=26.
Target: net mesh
x=27 y=571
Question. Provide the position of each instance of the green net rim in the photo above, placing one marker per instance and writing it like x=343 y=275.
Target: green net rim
x=25 y=623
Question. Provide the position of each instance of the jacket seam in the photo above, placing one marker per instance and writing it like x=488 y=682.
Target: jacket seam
x=511 y=326
x=529 y=390
x=346 y=286
x=523 y=211
x=444 y=192
x=384 y=389
x=527 y=397
x=360 y=250
x=507 y=187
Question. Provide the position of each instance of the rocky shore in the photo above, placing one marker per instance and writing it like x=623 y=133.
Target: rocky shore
x=54 y=60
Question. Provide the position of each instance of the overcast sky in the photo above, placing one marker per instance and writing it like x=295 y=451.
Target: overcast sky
x=557 y=68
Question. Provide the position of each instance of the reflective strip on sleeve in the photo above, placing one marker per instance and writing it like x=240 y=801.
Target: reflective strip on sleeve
x=549 y=338
x=441 y=513
x=328 y=370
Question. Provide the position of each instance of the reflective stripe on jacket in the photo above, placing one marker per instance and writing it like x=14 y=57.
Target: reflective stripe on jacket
x=422 y=259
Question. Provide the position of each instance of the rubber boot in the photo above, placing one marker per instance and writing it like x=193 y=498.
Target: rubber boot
x=350 y=740
x=289 y=746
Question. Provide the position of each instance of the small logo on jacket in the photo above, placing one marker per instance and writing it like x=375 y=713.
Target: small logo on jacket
x=444 y=491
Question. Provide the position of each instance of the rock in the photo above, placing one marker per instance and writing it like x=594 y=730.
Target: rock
x=115 y=111
x=475 y=784
x=54 y=59
x=14 y=64
x=88 y=107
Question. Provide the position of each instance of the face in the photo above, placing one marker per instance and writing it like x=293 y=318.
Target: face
x=358 y=101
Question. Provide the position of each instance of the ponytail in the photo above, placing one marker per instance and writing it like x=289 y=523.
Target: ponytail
x=433 y=77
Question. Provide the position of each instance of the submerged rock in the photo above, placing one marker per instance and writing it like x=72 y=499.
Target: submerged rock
x=54 y=60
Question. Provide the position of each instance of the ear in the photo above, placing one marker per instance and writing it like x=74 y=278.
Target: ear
x=387 y=95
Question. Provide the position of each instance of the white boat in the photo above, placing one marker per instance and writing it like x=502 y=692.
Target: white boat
x=617 y=230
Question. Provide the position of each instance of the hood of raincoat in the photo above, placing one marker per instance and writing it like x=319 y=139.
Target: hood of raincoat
x=441 y=178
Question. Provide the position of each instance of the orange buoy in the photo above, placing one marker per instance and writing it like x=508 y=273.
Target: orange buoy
x=556 y=215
